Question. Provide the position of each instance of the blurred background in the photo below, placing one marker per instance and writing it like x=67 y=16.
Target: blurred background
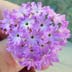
x=60 y=6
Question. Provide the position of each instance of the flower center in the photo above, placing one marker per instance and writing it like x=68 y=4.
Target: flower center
x=5 y=30
x=41 y=25
x=15 y=25
x=49 y=35
x=22 y=45
x=26 y=23
x=42 y=45
x=17 y=35
x=32 y=37
x=59 y=25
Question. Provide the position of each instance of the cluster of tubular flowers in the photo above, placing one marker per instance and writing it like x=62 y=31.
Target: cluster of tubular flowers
x=36 y=34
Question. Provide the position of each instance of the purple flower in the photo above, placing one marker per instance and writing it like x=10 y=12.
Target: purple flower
x=36 y=8
x=36 y=34
x=17 y=14
x=6 y=25
x=15 y=37
x=27 y=23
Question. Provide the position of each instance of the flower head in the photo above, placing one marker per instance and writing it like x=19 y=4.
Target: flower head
x=35 y=34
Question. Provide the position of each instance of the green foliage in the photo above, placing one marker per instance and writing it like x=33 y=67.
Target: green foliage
x=60 y=6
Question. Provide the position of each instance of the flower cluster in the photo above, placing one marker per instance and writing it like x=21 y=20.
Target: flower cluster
x=35 y=34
